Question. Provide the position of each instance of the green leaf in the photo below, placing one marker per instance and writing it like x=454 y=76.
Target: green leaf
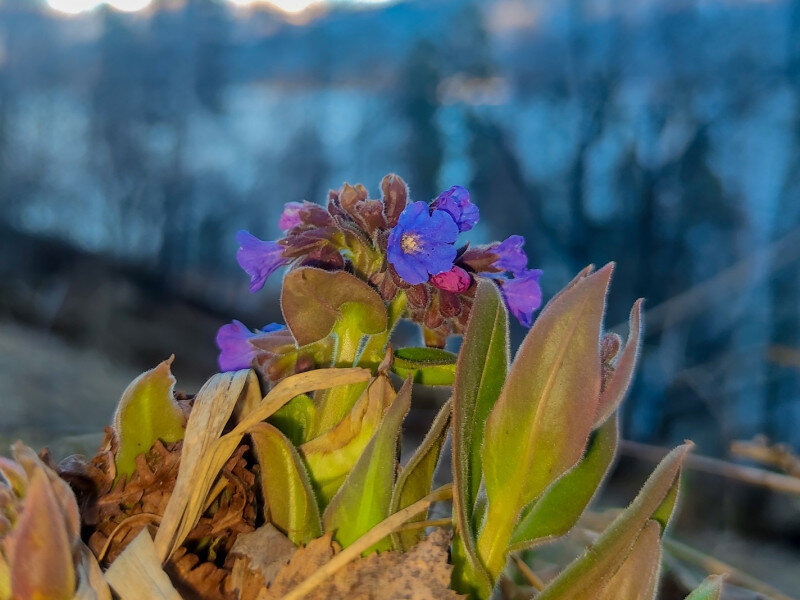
x=296 y=418
x=480 y=373
x=313 y=301
x=561 y=505
x=615 y=389
x=146 y=412
x=590 y=571
x=637 y=578
x=545 y=412
x=428 y=366
x=330 y=457
x=710 y=589
x=364 y=499
x=288 y=497
x=414 y=482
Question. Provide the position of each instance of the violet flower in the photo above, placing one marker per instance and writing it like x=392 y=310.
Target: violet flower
x=455 y=280
x=456 y=203
x=233 y=341
x=422 y=243
x=258 y=258
x=523 y=295
x=510 y=255
x=290 y=217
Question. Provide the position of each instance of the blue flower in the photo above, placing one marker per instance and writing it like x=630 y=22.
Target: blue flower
x=233 y=341
x=523 y=295
x=258 y=258
x=455 y=202
x=421 y=243
x=510 y=255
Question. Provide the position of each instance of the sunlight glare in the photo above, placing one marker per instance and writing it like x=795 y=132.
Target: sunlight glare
x=73 y=7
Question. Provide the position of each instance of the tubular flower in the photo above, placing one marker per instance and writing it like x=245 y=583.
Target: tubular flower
x=510 y=255
x=456 y=203
x=422 y=243
x=455 y=280
x=258 y=258
x=233 y=341
x=523 y=295
x=290 y=217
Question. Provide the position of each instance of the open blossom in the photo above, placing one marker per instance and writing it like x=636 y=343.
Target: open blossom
x=290 y=217
x=258 y=258
x=455 y=280
x=421 y=244
x=510 y=255
x=456 y=203
x=523 y=295
x=235 y=350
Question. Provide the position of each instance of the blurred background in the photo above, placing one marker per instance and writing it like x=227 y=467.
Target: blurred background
x=137 y=136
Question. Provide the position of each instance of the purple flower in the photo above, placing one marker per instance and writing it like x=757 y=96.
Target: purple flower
x=523 y=295
x=510 y=255
x=233 y=341
x=455 y=202
x=290 y=217
x=422 y=243
x=455 y=280
x=259 y=259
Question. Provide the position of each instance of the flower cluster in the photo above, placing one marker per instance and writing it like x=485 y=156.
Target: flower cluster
x=397 y=247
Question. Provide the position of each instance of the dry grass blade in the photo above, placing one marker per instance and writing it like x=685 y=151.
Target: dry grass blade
x=137 y=572
x=205 y=452
x=372 y=537
x=91 y=585
x=774 y=481
x=532 y=578
x=212 y=409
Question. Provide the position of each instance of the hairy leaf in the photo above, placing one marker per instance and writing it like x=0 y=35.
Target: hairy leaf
x=561 y=505
x=480 y=373
x=41 y=556
x=710 y=589
x=364 y=498
x=615 y=389
x=288 y=497
x=590 y=571
x=428 y=366
x=313 y=300
x=296 y=419
x=637 y=578
x=331 y=456
x=414 y=481
x=146 y=412
x=545 y=412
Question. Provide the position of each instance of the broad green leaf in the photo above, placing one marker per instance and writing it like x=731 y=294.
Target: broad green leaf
x=313 y=301
x=147 y=412
x=545 y=412
x=587 y=573
x=637 y=578
x=296 y=419
x=330 y=457
x=288 y=497
x=615 y=389
x=480 y=373
x=41 y=557
x=710 y=589
x=428 y=366
x=364 y=499
x=414 y=481
x=561 y=505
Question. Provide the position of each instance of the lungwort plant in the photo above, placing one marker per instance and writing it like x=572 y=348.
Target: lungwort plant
x=281 y=478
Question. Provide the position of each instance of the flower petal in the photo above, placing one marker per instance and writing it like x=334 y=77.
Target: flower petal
x=523 y=295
